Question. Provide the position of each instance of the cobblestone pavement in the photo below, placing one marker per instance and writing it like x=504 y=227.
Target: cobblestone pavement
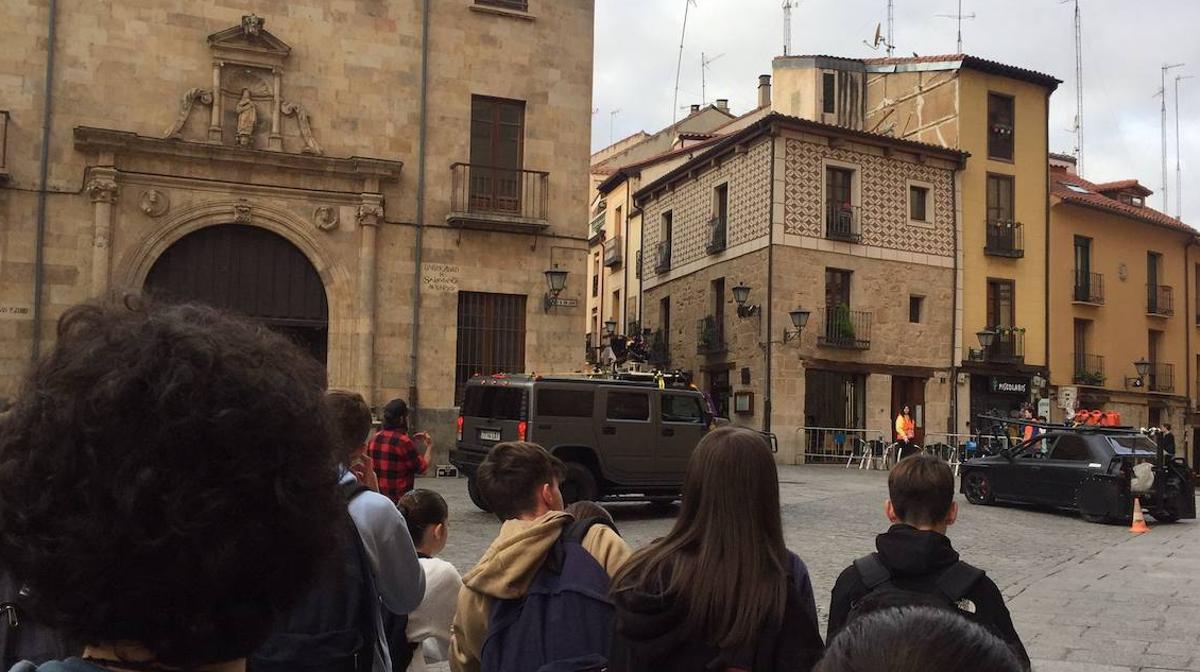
x=1083 y=596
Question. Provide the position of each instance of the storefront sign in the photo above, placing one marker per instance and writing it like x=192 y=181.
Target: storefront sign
x=1008 y=385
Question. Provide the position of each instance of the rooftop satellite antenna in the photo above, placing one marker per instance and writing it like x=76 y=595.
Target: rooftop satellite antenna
x=788 y=5
x=878 y=40
x=687 y=4
x=1078 y=126
x=958 y=17
x=704 y=63
x=1162 y=91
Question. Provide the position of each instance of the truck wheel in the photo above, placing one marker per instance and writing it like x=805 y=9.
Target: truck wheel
x=476 y=498
x=579 y=484
x=978 y=488
x=1165 y=515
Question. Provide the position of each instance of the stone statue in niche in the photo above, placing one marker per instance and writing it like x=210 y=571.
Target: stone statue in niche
x=247 y=118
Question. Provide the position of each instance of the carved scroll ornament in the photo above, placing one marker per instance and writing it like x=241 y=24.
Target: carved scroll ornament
x=297 y=110
x=185 y=109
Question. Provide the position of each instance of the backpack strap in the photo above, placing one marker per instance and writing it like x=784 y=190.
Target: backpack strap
x=957 y=580
x=11 y=621
x=370 y=596
x=576 y=531
x=352 y=489
x=872 y=571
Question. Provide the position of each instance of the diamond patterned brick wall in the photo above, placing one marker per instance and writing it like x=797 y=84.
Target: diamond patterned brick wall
x=692 y=207
x=884 y=206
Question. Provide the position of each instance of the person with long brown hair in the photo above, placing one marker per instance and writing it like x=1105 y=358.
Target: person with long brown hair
x=721 y=591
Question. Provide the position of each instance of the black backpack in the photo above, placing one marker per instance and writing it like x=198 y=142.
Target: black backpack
x=332 y=628
x=950 y=588
x=23 y=638
x=564 y=622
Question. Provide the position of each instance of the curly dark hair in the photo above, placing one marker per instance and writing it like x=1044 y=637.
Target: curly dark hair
x=166 y=478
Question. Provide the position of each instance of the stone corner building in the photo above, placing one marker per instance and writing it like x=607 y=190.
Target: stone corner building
x=304 y=168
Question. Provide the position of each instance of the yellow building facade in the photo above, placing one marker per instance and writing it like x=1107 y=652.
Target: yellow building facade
x=1120 y=297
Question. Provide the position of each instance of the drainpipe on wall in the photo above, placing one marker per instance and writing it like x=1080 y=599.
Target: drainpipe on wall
x=770 y=304
x=43 y=185
x=1046 y=264
x=1187 y=342
x=955 y=182
x=422 y=138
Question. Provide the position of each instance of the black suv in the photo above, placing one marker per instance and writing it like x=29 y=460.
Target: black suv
x=617 y=437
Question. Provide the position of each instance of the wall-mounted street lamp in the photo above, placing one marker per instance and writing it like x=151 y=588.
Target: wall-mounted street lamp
x=1143 y=369
x=799 y=318
x=741 y=294
x=556 y=281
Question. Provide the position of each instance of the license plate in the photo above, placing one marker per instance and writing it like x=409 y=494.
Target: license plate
x=489 y=435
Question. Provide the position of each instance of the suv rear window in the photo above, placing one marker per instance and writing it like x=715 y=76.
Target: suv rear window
x=565 y=403
x=628 y=406
x=1125 y=445
x=495 y=403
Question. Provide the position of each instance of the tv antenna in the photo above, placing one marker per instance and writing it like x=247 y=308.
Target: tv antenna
x=878 y=40
x=1178 y=173
x=1163 y=92
x=959 y=18
x=788 y=6
x=704 y=63
x=1078 y=126
x=687 y=4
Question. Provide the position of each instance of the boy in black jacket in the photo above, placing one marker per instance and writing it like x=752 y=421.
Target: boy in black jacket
x=915 y=556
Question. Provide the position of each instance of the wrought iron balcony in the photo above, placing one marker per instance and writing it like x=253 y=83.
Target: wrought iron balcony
x=1161 y=377
x=1088 y=288
x=1008 y=345
x=845 y=328
x=662 y=257
x=614 y=252
x=1089 y=369
x=716 y=235
x=1005 y=239
x=710 y=336
x=842 y=222
x=1160 y=300
x=499 y=198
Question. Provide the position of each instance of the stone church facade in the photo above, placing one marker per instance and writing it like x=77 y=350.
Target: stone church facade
x=386 y=185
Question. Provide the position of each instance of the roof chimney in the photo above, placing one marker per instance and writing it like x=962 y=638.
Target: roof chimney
x=723 y=104
x=695 y=107
x=764 y=90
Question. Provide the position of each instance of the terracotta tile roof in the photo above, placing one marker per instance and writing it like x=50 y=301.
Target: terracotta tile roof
x=1094 y=198
x=1118 y=185
x=1063 y=157
x=975 y=63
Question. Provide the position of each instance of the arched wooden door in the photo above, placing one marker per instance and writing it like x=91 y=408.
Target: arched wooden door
x=250 y=271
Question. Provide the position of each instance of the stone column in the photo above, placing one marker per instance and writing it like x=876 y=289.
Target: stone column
x=370 y=214
x=275 y=140
x=214 y=125
x=102 y=189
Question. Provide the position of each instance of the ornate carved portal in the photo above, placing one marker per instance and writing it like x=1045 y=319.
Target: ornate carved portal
x=246 y=99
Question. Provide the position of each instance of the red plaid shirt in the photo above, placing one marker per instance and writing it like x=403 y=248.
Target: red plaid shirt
x=397 y=462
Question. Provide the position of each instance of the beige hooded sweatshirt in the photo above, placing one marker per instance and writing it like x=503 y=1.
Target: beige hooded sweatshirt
x=506 y=570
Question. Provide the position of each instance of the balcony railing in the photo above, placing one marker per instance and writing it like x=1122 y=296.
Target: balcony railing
x=1005 y=239
x=1160 y=300
x=1161 y=377
x=845 y=328
x=3 y=145
x=1088 y=288
x=595 y=286
x=1089 y=369
x=499 y=196
x=662 y=257
x=717 y=230
x=1008 y=345
x=710 y=336
x=613 y=252
x=517 y=5
x=842 y=222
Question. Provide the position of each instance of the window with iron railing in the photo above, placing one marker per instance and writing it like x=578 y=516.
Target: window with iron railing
x=841 y=222
x=1160 y=300
x=1088 y=287
x=1000 y=126
x=1005 y=239
x=515 y=5
x=845 y=328
x=1089 y=369
x=1161 y=377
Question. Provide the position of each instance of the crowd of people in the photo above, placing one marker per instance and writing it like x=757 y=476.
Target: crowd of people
x=179 y=492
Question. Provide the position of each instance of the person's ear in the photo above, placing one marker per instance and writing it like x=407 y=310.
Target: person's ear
x=546 y=493
x=890 y=511
x=952 y=514
x=440 y=532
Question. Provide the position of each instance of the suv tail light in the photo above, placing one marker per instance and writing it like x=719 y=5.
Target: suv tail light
x=460 y=427
x=522 y=430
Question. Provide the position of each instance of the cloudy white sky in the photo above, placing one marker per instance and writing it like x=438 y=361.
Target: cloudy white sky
x=1124 y=44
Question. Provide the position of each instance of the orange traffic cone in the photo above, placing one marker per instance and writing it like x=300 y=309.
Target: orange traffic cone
x=1139 y=521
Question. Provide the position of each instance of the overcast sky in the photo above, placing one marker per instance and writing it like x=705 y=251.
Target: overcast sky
x=1125 y=42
